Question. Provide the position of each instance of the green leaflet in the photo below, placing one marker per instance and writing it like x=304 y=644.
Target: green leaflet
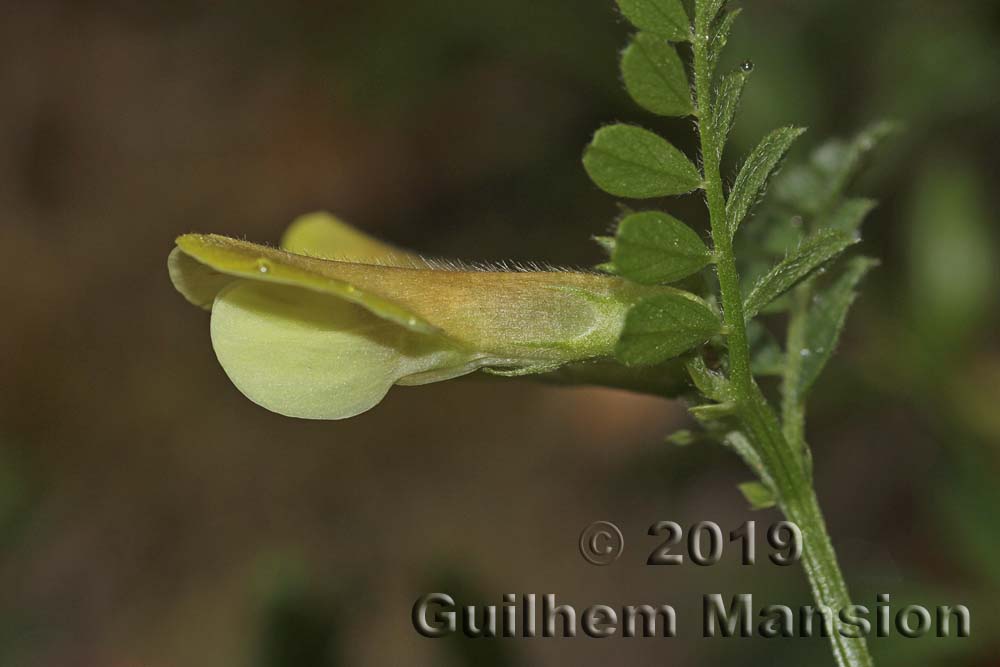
x=848 y=216
x=711 y=384
x=714 y=416
x=666 y=18
x=655 y=77
x=628 y=161
x=752 y=179
x=783 y=230
x=727 y=101
x=683 y=438
x=720 y=37
x=758 y=495
x=814 y=187
x=705 y=13
x=665 y=326
x=816 y=251
x=839 y=162
x=654 y=247
x=825 y=320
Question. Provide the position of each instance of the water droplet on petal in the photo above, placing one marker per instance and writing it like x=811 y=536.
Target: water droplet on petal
x=747 y=66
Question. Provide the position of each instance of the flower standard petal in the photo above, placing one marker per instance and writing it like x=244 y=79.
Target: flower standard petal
x=319 y=235
x=324 y=235
x=214 y=254
x=544 y=316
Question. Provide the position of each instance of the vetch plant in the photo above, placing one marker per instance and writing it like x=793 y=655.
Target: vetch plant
x=324 y=326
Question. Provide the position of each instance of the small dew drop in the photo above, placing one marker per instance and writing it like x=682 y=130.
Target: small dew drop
x=263 y=266
x=747 y=66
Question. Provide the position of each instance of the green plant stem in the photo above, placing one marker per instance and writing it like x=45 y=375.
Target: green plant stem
x=784 y=462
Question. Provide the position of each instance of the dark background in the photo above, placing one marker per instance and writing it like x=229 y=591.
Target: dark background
x=150 y=515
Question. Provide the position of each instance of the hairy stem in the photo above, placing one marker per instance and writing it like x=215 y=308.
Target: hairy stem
x=782 y=457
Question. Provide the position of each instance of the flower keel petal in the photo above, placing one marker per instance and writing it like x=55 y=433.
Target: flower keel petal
x=303 y=354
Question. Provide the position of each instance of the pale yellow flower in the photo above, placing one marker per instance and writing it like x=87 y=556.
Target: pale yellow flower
x=322 y=328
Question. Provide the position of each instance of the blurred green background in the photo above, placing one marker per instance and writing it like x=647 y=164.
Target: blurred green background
x=150 y=515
